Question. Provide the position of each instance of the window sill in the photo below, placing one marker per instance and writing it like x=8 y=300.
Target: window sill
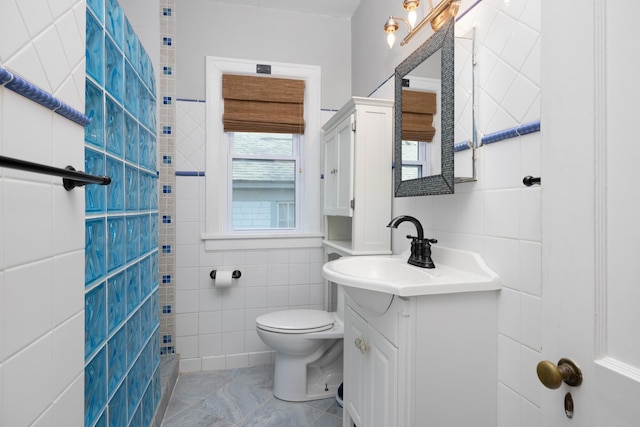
x=216 y=242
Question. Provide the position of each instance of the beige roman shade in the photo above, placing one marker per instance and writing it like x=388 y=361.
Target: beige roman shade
x=418 y=109
x=262 y=104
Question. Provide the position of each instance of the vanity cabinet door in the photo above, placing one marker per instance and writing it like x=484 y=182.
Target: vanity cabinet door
x=383 y=381
x=356 y=371
x=370 y=375
x=338 y=169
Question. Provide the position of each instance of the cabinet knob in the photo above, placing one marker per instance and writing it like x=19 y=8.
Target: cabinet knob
x=361 y=345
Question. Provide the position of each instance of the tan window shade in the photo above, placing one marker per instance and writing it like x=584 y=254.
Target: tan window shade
x=418 y=109
x=263 y=104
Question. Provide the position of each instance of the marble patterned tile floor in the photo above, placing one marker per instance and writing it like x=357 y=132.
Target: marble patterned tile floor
x=242 y=397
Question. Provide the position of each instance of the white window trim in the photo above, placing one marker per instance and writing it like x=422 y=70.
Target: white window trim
x=216 y=236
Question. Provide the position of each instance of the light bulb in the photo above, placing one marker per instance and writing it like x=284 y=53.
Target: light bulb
x=391 y=39
x=412 y=18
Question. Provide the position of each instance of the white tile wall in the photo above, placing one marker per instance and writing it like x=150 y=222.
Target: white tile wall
x=497 y=216
x=215 y=328
x=508 y=34
x=214 y=322
x=28 y=378
x=41 y=224
x=190 y=148
x=508 y=407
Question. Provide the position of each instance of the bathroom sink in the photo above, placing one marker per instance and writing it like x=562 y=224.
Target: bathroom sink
x=456 y=271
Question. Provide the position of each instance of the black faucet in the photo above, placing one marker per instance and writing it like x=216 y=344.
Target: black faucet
x=420 y=247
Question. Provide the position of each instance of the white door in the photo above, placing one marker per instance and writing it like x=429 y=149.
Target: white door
x=590 y=208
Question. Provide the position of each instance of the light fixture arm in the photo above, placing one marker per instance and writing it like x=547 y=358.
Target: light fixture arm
x=435 y=14
x=403 y=20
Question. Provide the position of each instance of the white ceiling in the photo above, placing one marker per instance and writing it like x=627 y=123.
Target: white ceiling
x=336 y=8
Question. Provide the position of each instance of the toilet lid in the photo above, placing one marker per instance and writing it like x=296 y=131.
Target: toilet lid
x=296 y=321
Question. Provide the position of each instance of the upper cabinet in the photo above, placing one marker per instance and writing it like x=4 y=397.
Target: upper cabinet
x=339 y=146
x=358 y=177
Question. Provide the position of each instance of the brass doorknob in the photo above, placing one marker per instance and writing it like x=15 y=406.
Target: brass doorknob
x=552 y=376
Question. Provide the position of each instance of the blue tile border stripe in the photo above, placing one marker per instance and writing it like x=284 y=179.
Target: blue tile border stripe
x=22 y=87
x=189 y=173
x=461 y=146
x=5 y=76
x=511 y=133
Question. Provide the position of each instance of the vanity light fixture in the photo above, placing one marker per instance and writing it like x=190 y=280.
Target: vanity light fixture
x=437 y=17
x=411 y=6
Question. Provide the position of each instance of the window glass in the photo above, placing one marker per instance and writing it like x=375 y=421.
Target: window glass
x=286 y=214
x=409 y=151
x=414 y=160
x=264 y=187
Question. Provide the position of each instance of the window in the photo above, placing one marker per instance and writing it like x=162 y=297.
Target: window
x=415 y=162
x=263 y=174
x=420 y=136
x=263 y=186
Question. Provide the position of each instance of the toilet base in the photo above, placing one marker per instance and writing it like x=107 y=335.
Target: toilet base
x=296 y=380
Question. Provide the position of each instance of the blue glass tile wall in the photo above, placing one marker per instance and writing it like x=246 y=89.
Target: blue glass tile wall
x=122 y=340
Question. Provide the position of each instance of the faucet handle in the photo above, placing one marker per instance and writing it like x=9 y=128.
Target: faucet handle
x=423 y=240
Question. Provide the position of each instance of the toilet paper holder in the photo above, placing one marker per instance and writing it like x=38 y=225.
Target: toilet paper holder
x=235 y=275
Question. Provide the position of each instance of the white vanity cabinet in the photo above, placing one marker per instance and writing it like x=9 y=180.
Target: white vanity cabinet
x=358 y=177
x=370 y=372
x=428 y=361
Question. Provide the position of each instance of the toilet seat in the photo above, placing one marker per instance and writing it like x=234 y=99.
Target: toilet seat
x=296 y=321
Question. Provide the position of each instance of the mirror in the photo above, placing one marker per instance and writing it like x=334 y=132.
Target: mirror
x=429 y=183
x=465 y=133
x=421 y=139
x=424 y=88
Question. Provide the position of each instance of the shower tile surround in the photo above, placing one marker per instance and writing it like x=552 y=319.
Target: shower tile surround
x=122 y=338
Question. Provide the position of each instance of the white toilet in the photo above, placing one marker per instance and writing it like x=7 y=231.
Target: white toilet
x=308 y=346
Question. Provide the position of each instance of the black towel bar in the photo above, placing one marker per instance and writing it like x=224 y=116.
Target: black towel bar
x=71 y=178
x=529 y=180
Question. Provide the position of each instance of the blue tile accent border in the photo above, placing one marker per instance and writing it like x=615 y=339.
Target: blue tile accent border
x=511 y=133
x=5 y=76
x=30 y=91
x=461 y=146
x=189 y=173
